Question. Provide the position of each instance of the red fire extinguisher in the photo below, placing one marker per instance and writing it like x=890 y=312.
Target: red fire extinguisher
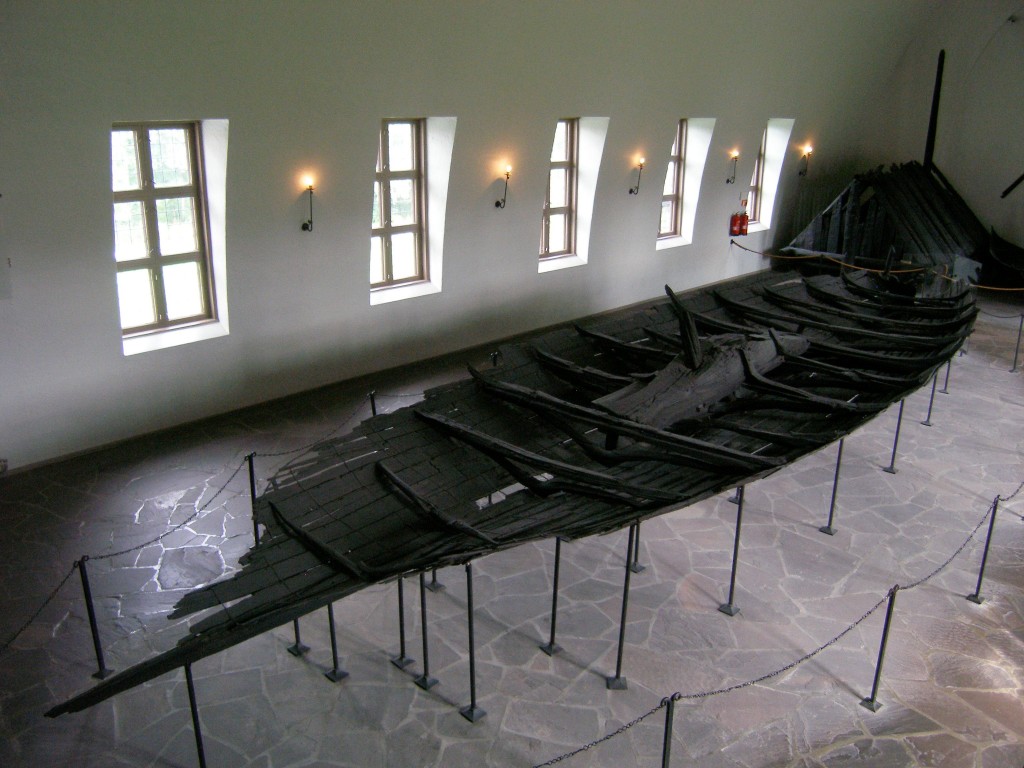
x=738 y=221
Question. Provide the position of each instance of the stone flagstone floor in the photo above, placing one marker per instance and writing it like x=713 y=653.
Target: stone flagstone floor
x=951 y=687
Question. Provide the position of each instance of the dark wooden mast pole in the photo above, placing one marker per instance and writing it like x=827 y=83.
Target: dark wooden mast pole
x=929 y=145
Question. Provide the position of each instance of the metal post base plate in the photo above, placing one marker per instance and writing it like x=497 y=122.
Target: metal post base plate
x=102 y=674
x=299 y=649
x=975 y=598
x=426 y=683
x=637 y=568
x=616 y=683
x=872 y=704
x=728 y=609
x=550 y=648
x=435 y=586
x=828 y=529
x=402 y=661
x=472 y=713
x=890 y=469
x=335 y=675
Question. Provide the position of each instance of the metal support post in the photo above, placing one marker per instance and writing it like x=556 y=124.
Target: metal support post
x=1016 y=349
x=931 y=400
x=891 y=469
x=634 y=564
x=552 y=647
x=335 y=674
x=101 y=668
x=945 y=384
x=434 y=585
x=401 y=660
x=252 y=499
x=618 y=683
x=976 y=597
x=735 y=498
x=195 y=715
x=730 y=608
x=373 y=402
x=835 y=487
x=471 y=712
x=872 y=701
x=666 y=746
x=424 y=681
x=298 y=649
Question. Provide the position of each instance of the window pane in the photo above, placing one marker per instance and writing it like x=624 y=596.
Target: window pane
x=666 y=227
x=556 y=233
x=403 y=256
x=135 y=297
x=177 y=223
x=559 y=149
x=129 y=232
x=168 y=148
x=183 y=290
x=402 y=212
x=670 y=180
x=124 y=160
x=400 y=146
x=376 y=261
x=557 y=181
x=377 y=221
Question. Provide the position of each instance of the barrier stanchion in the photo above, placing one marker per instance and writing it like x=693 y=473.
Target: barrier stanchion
x=872 y=701
x=634 y=564
x=891 y=469
x=471 y=712
x=729 y=608
x=252 y=499
x=835 y=487
x=945 y=384
x=666 y=744
x=552 y=647
x=976 y=596
x=195 y=715
x=931 y=400
x=102 y=671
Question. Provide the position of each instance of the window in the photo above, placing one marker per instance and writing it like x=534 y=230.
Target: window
x=690 y=145
x=558 y=224
x=764 y=182
x=672 y=193
x=397 y=238
x=161 y=232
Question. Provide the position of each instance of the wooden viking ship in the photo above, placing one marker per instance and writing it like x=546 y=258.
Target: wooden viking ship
x=582 y=430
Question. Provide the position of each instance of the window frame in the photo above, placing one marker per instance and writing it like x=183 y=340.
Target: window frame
x=383 y=176
x=571 y=166
x=149 y=194
x=676 y=166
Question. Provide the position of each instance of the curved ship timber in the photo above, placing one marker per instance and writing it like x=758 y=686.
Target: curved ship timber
x=579 y=431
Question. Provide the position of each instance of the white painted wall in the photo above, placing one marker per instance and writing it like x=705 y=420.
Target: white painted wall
x=981 y=110
x=304 y=85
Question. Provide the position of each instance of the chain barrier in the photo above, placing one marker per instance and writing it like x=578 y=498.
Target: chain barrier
x=842 y=263
x=792 y=665
x=42 y=607
x=1001 y=317
x=291 y=451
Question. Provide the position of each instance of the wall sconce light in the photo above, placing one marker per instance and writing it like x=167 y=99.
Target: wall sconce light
x=734 y=156
x=504 y=195
x=808 y=151
x=307 y=225
x=640 y=166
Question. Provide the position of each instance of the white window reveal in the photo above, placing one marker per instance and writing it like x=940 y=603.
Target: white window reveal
x=168 y=182
x=683 y=176
x=764 y=182
x=410 y=198
x=575 y=163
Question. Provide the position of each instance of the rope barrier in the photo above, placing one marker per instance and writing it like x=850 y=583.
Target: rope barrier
x=677 y=696
x=1001 y=317
x=307 y=446
x=41 y=608
x=834 y=260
